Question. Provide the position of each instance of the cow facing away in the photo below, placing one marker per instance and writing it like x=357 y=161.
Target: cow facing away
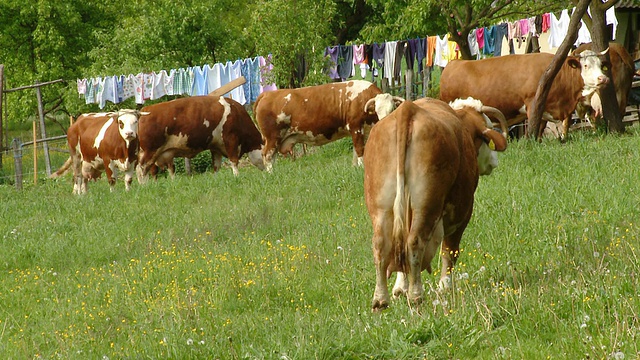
x=187 y=126
x=421 y=167
x=509 y=83
x=102 y=142
x=315 y=115
x=622 y=69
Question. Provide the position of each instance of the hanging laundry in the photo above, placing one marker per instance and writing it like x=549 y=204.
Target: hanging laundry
x=168 y=82
x=254 y=74
x=480 y=37
x=501 y=33
x=82 y=86
x=558 y=29
x=452 y=51
x=128 y=87
x=200 y=86
x=332 y=53
x=472 y=39
x=378 y=58
x=546 y=22
x=442 y=51
x=489 y=40
x=611 y=19
x=267 y=83
x=158 y=89
x=359 y=58
x=345 y=61
x=119 y=81
x=421 y=52
x=389 y=60
x=401 y=51
x=235 y=71
x=432 y=42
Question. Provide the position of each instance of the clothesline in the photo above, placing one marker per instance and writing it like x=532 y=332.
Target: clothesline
x=386 y=58
x=372 y=59
x=192 y=81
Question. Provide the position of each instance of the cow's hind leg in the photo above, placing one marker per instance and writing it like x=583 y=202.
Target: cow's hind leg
x=401 y=287
x=423 y=241
x=449 y=256
x=357 y=136
x=382 y=254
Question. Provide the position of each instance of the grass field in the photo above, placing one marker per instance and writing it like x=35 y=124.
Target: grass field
x=280 y=266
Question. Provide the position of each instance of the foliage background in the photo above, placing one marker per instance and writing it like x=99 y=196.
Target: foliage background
x=279 y=266
x=60 y=39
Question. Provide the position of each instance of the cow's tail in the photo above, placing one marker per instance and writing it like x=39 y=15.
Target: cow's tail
x=402 y=202
x=63 y=169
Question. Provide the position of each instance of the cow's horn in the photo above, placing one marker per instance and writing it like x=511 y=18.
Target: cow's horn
x=489 y=110
x=604 y=52
x=368 y=104
x=398 y=99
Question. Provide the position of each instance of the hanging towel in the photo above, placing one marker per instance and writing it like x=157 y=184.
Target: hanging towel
x=489 y=40
x=559 y=28
x=390 y=48
x=345 y=61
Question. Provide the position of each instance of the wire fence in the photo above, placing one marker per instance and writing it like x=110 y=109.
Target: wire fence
x=18 y=161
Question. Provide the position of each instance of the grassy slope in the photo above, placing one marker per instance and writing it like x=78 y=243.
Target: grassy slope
x=280 y=266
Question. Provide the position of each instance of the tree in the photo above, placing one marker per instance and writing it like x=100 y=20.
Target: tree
x=296 y=34
x=45 y=41
x=409 y=18
x=538 y=103
x=595 y=20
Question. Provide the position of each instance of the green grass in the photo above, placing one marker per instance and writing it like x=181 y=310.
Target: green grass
x=280 y=266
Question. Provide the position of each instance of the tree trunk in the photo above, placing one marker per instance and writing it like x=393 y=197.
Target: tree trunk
x=463 y=43
x=539 y=101
x=600 y=41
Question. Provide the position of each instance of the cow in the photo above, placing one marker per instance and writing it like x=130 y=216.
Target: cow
x=187 y=126
x=421 y=169
x=509 y=83
x=622 y=69
x=102 y=142
x=316 y=115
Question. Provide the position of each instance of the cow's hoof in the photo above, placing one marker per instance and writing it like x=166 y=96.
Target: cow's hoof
x=398 y=292
x=444 y=283
x=416 y=300
x=379 y=305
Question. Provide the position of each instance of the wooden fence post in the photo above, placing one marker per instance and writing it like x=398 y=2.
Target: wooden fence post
x=1 y=123
x=17 y=158
x=43 y=131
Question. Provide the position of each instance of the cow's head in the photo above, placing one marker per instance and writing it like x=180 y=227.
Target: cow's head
x=591 y=67
x=382 y=105
x=128 y=123
x=255 y=157
x=475 y=117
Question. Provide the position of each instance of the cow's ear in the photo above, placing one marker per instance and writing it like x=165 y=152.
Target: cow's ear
x=574 y=62
x=494 y=140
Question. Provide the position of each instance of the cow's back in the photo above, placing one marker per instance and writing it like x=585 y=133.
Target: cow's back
x=504 y=82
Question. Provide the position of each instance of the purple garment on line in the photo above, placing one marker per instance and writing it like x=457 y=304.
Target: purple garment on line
x=332 y=52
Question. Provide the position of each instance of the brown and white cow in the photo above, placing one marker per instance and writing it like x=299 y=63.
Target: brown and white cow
x=315 y=115
x=622 y=69
x=187 y=126
x=102 y=142
x=509 y=83
x=421 y=167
